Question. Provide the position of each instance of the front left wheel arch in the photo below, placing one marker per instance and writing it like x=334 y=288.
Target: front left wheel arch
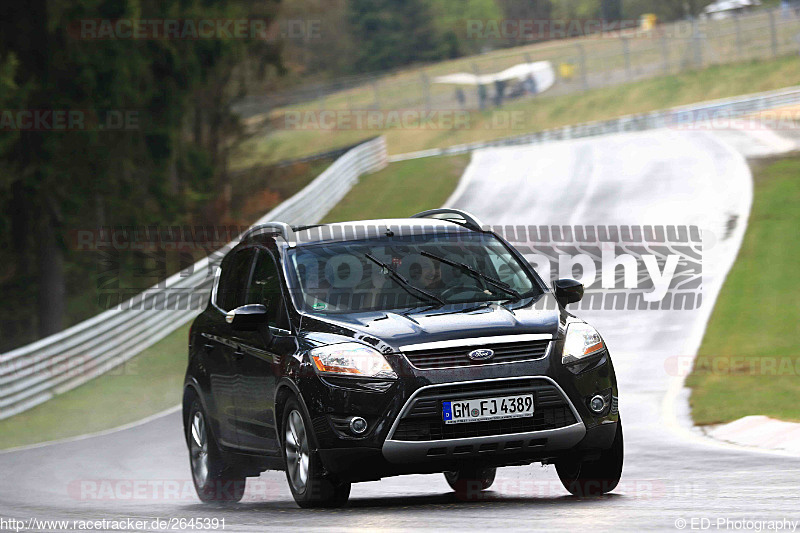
x=288 y=389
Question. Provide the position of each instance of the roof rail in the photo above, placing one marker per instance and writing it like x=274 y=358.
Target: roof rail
x=456 y=216
x=282 y=229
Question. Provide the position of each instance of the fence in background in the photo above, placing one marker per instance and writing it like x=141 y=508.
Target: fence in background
x=694 y=116
x=33 y=374
x=582 y=63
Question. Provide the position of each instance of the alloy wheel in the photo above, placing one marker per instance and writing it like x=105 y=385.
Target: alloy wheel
x=198 y=448
x=297 y=452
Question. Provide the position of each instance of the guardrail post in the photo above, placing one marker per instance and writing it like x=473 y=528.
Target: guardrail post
x=321 y=97
x=582 y=66
x=481 y=90
x=697 y=45
x=627 y=53
x=426 y=90
x=377 y=103
x=738 y=24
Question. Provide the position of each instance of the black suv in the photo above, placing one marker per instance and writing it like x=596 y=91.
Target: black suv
x=350 y=352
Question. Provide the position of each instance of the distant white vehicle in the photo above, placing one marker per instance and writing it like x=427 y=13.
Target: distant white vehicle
x=531 y=78
x=727 y=8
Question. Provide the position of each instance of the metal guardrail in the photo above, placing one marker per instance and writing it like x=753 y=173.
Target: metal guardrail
x=34 y=373
x=699 y=116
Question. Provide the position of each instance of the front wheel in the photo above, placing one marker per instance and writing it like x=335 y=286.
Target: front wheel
x=594 y=478
x=307 y=480
x=469 y=482
x=214 y=480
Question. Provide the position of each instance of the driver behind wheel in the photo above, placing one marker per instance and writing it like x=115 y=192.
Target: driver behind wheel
x=426 y=274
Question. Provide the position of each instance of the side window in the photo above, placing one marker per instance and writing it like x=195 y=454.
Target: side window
x=233 y=280
x=265 y=288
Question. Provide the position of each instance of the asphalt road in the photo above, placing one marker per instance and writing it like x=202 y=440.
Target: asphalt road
x=671 y=474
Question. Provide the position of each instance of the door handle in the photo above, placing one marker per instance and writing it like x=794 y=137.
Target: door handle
x=208 y=346
x=239 y=353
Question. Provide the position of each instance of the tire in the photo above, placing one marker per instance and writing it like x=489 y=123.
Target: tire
x=214 y=480
x=469 y=482
x=309 y=484
x=594 y=478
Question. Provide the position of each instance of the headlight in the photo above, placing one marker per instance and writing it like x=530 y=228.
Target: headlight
x=582 y=341
x=351 y=358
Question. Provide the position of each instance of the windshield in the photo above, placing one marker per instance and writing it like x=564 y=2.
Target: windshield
x=401 y=273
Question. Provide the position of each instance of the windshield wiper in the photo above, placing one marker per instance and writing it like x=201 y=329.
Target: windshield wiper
x=404 y=283
x=505 y=287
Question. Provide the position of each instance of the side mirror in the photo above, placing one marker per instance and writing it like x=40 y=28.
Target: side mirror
x=247 y=317
x=568 y=291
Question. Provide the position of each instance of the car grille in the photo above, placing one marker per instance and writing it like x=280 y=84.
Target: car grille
x=510 y=352
x=423 y=421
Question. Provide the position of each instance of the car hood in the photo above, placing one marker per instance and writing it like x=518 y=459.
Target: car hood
x=388 y=332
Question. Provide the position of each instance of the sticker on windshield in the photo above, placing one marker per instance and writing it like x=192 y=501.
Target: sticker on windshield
x=319 y=306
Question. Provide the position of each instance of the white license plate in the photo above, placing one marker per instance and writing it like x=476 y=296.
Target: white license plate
x=481 y=409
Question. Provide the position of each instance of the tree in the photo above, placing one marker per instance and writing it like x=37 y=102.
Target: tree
x=55 y=181
x=452 y=18
x=327 y=47
x=525 y=10
x=576 y=9
x=611 y=9
x=392 y=33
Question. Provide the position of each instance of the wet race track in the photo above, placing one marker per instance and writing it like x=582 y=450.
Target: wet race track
x=672 y=475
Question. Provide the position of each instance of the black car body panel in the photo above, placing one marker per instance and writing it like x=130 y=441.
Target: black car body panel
x=243 y=379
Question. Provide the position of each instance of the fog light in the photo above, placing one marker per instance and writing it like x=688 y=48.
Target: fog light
x=597 y=404
x=358 y=425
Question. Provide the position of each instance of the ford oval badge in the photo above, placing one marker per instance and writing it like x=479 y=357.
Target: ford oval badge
x=481 y=355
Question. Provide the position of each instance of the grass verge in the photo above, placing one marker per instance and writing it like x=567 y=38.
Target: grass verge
x=401 y=189
x=146 y=384
x=537 y=114
x=152 y=381
x=749 y=361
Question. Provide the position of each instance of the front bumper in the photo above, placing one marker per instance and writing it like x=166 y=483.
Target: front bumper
x=419 y=434
x=534 y=442
x=398 y=444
